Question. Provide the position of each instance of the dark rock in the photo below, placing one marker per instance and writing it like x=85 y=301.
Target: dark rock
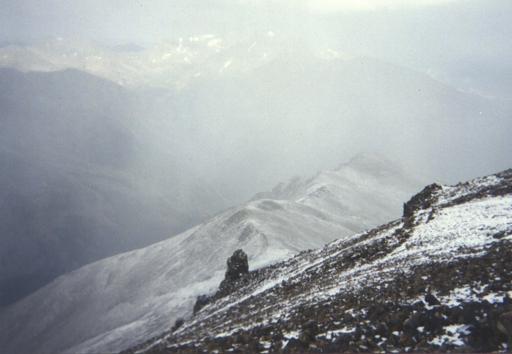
x=504 y=325
x=406 y=340
x=237 y=269
x=341 y=343
x=376 y=311
x=238 y=266
x=422 y=200
x=434 y=322
x=411 y=324
x=202 y=301
x=294 y=346
x=177 y=324
x=382 y=329
x=418 y=305
x=483 y=338
x=431 y=300
x=309 y=332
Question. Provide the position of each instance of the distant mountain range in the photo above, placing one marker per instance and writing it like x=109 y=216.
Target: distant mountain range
x=122 y=300
x=169 y=64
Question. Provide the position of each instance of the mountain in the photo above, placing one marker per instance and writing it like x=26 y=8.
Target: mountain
x=77 y=180
x=288 y=106
x=122 y=300
x=91 y=168
x=318 y=109
x=172 y=63
x=438 y=279
x=357 y=194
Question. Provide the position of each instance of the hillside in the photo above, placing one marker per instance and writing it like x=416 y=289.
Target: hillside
x=122 y=300
x=92 y=167
x=77 y=180
x=439 y=278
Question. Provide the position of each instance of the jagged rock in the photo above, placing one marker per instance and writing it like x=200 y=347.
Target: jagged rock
x=202 y=301
x=422 y=200
x=431 y=300
x=238 y=265
x=237 y=268
x=177 y=324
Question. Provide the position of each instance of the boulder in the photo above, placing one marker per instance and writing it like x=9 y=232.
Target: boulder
x=238 y=266
x=202 y=301
x=237 y=269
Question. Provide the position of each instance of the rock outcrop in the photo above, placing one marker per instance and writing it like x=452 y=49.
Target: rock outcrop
x=238 y=266
x=237 y=269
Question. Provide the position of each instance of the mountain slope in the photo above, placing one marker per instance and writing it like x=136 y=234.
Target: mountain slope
x=76 y=181
x=437 y=279
x=117 y=302
x=357 y=194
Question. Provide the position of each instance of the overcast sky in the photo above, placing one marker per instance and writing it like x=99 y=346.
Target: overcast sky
x=466 y=41
x=139 y=20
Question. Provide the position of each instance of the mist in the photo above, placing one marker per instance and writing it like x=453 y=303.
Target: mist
x=133 y=121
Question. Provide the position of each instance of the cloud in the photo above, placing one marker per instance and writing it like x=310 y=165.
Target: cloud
x=350 y=5
x=372 y=5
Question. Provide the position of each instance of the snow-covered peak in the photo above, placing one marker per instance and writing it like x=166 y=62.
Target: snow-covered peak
x=125 y=299
x=352 y=192
x=438 y=279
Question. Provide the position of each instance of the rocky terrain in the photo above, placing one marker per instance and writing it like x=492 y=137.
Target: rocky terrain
x=122 y=300
x=438 y=279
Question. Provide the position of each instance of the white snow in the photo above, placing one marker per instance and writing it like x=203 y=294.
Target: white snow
x=291 y=334
x=452 y=336
x=122 y=300
x=456 y=231
x=333 y=333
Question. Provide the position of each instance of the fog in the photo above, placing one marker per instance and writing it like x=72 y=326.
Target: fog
x=176 y=110
x=462 y=41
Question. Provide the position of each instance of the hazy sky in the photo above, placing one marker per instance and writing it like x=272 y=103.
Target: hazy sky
x=139 y=20
x=464 y=41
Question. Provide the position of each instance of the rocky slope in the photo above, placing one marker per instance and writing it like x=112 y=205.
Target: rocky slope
x=122 y=300
x=439 y=278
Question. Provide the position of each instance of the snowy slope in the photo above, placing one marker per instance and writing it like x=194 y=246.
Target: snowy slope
x=439 y=278
x=120 y=301
x=357 y=194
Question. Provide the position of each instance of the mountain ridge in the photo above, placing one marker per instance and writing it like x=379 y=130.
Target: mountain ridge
x=125 y=298
x=436 y=279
